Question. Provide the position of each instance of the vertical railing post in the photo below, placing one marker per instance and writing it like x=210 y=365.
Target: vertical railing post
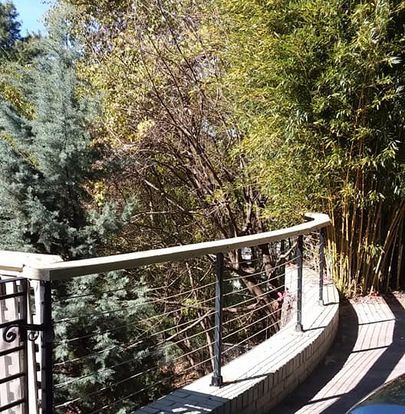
x=219 y=267
x=282 y=252
x=24 y=339
x=47 y=351
x=321 y=263
x=300 y=252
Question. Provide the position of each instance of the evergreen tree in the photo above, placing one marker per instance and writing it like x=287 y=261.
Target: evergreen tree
x=47 y=164
x=15 y=51
x=318 y=89
x=47 y=158
x=9 y=26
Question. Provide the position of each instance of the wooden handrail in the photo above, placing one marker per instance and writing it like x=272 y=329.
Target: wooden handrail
x=65 y=270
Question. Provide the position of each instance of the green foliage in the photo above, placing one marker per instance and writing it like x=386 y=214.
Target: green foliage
x=319 y=90
x=164 y=124
x=9 y=27
x=47 y=166
x=47 y=157
x=103 y=346
x=12 y=48
x=164 y=121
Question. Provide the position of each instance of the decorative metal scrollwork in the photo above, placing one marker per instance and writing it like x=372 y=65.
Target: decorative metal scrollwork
x=33 y=335
x=10 y=334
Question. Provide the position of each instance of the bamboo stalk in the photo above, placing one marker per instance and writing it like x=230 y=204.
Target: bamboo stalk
x=371 y=258
x=388 y=278
x=387 y=243
x=400 y=252
x=365 y=242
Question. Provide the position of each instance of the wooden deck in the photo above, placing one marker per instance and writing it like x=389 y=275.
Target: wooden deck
x=368 y=351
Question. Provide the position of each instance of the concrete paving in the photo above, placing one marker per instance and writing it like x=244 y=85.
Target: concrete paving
x=369 y=350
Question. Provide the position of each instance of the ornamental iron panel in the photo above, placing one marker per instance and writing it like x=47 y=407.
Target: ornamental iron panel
x=19 y=343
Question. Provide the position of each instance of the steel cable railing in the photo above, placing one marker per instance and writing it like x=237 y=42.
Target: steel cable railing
x=240 y=330
x=123 y=339
x=172 y=320
x=182 y=315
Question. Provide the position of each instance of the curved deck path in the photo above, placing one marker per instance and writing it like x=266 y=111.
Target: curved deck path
x=369 y=350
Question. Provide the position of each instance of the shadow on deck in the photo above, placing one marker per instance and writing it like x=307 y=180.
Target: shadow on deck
x=369 y=350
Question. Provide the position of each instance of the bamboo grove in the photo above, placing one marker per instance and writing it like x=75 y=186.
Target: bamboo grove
x=319 y=86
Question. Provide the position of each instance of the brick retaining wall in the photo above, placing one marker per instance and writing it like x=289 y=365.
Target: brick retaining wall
x=259 y=379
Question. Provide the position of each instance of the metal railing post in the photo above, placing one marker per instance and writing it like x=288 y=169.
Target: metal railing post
x=321 y=263
x=47 y=351
x=300 y=251
x=24 y=340
x=282 y=252
x=219 y=267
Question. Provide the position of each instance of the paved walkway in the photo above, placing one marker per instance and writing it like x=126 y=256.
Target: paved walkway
x=369 y=350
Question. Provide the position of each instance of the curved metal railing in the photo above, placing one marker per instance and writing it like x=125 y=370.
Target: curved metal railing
x=222 y=298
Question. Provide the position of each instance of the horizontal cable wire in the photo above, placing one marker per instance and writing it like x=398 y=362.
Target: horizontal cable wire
x=146 y=303
x=149 y=387
x=60 y=385
x=250 y=337
x=164 y=331
x=176 y=359
x=154 y=384
x=84 y=295
x=170 y=344
x=128 y=346
x=239 y=277
x=252 y=298
x=257 y=284
x=150 y=370
x=158 y=300
x=308 y=250
x=130 y=378
x=166 y=314
x=261 y=272
x=147 y=289
x=94 y=393
x=249 y=314
x=120 y=327
x=246 y=315
x=251 y=324
x=143 y=320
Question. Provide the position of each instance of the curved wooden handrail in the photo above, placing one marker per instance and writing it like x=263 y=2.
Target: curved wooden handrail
x=66 y=270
